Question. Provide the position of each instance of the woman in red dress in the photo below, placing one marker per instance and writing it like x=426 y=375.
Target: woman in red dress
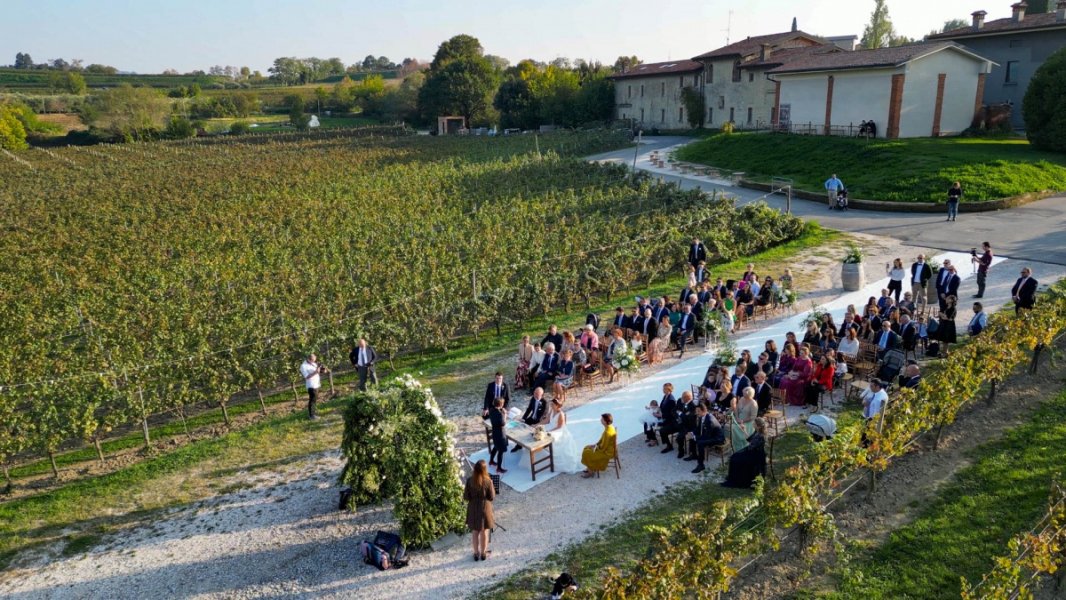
x=795 y=382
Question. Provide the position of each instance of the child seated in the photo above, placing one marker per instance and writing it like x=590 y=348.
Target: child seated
x=923 y=331
x=651 y=419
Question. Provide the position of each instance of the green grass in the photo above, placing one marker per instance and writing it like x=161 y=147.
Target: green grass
x=907 y=170
x=196 y=470
x=969 y=521
x=626 y=541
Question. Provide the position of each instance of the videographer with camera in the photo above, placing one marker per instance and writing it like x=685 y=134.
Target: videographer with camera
x=310 y=370
x=983 y=262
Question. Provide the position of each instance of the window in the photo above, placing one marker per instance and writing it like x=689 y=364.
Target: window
x=682 y=82
x=642 y=90
x=629 y=92
x=710 y=114
x=662 y=117
x=663 y=92
x=749 y=115
x=736 y=71
x=710 y=73
x=642 y=115
x=681 y=114
x=721 y=101
x=751 y=76
x=731 y=114
x=1012 y=72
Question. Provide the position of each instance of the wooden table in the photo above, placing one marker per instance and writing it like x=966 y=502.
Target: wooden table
x=859 y=385
x=522 y=434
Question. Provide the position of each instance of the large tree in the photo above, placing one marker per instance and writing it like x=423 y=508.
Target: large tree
x=460 y=81
x=879 y=32
x=23 y=61
x=128 y=112
x=517 y=104
x=1045 y=121
x=625 y=63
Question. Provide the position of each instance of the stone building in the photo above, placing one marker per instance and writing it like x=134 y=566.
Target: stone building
x=649 y=95
x=1018 y=45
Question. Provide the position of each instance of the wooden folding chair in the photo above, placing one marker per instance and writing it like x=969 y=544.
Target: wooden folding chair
x=616 y=461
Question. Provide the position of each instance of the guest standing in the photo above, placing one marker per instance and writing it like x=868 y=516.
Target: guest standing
x=984 y=262
x=896 y=275
x=496 y=389
x=832 y=190
x=497 y=421
x=525 y=355
x=310 y=371
x=479 y=495
x=697 y=252
x=363 y=358
x=1024 y=291
x=921 y=273
x=597 y=456
x=954 y=195
x=750 y=463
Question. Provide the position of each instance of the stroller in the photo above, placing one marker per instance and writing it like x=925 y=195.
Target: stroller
x=842 y=199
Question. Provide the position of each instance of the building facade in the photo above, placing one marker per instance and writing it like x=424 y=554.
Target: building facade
x=1018 y=45
x=919 y=90
x=649 y=96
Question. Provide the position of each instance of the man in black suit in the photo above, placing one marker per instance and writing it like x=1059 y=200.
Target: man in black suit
x=697 y=252
x=702 y=274
x=908 y=333
x=947 y=284
x=648 y=327
x=554 y=337
x=911 y=376
x=549 y=367
x=686 y=291
x=363 y=358
x=740 y=380
x=662 y=310
x=496 y=389
x=594 y=320
x=534 y=412
x=1024 y=291
x=920 y=275
x=619 y=319
x=686 y=413
x=886 y=339
x=763 y=392
x=685 y=326
x=707 y=432
x=668 y=410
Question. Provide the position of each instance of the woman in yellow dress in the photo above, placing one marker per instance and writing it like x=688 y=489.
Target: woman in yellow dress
x=596 y=457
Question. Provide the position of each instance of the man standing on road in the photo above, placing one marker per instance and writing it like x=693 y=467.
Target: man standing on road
x=920 y=275
x=310 y=370
x=363 y=358
x=983 y=262
x=832 y=189
x=1024 y=291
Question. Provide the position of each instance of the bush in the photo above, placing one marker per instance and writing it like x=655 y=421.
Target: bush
x=12 y=133
x=179 y=128
x=240 y=128
x=399 y=447
x=1045 y=121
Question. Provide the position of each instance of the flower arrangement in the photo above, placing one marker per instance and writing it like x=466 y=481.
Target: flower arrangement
x=786 y=297
x=854 y=255
x=398 y=446
x=814 y=316
x=626 y=361
x=713 y=330
x=727 y=353
x=539 y=433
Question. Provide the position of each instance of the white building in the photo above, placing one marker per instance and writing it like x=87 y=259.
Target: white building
x=918 y=90
x=649 y=95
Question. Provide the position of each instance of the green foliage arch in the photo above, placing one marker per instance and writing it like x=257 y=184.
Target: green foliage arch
x=399 y=447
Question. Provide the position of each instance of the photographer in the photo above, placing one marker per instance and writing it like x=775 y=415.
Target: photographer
x=983 y=262
x=310 y=371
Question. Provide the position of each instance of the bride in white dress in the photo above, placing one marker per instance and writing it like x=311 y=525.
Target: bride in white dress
x=566 y=450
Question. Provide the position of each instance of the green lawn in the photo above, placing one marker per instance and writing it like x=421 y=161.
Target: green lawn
x=908 y=170
x=970 y=520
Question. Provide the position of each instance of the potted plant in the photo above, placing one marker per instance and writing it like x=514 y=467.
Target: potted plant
x=727 y=354
x=713 y=332
x=852 y=274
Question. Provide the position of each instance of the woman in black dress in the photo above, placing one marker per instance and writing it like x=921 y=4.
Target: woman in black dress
x=946 y=332
x=749 y=463
x=497 y=418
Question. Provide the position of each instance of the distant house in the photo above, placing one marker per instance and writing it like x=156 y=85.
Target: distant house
x=649 y=95
x=735 y=85
x=1018 y=45
x=918 y=90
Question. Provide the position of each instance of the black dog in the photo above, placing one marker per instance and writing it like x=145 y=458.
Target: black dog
x=563 y=584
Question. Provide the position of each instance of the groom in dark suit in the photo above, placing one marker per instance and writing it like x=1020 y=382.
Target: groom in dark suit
x=697 y=253
x=496 y=389
x=534 y=412
x=1024 y=291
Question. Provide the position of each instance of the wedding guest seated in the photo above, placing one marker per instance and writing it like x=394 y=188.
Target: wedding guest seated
x=813 y=336
x=685 y=327
x=786 y=280
x=565 y=378
x=821 y=381
x=882 y=302
x=651 y=419
x=763 y=393
x=637 y=343
x=886 y=340
x=849 y=346
x=829 y=341
x=706 y=433
x=534 y=363
x=766 y=293
x=740 y=380
x=597 y=456
x=549 y=367
x=590 y=342
x=784 y=366
x=553 y=337
x=619 y=318
x=668 y=411
x=657 y=346
x=723 y=401
x=771 y=353
x=745 y=299
x=750 y=463
x=907 y=303
x=617 y=346
x=686 y=417
x=763 y=364
x=911 y=376
x=795 y=382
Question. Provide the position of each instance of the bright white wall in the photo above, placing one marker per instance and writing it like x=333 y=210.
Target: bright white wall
x=919 y=94
x=806 y=95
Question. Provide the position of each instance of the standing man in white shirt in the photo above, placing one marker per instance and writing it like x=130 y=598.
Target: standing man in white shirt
x=832 y=189
x=363 y=358
x=310 y=370
x=873 y=402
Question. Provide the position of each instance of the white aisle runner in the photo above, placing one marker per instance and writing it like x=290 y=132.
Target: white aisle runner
x=627 y=404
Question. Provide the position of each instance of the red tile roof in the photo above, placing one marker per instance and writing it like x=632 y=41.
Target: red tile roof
x=864 y=59
x=753 y=45
x=789 y=55
x=660 y=68
x=1035 y=21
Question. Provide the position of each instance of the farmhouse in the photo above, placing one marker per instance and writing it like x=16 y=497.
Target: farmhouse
x=918 y=90
x=1018 y=45
x=649 y=95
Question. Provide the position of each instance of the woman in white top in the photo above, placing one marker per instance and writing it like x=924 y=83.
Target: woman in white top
x=849 y=346
x=896 y=275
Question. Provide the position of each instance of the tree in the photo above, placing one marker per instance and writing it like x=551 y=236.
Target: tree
x=287 y=70
x=1045 y=121
x=179 y=128
x=879 y=32
x=517 y=104
x=23 y=61
x=334 y=66
x=12 y=133
x=75 y=83
x=60 y=64
x=98 y=69
x=695 y=106
x=297 y=118
x=460 y=81
x=954 y=24
x=624 y=63
x=498 y=62
x=1038 y=6
x=129 y=113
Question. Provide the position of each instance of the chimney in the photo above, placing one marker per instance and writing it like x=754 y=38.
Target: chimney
x=1060 y=11
x=794 y=25
x=764 y=50
x=978 y=19
x=1018 y=11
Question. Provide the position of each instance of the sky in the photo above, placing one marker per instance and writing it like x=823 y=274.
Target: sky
x=149 y=36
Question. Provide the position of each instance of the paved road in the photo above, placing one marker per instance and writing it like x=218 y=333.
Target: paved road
x=1035 y=232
